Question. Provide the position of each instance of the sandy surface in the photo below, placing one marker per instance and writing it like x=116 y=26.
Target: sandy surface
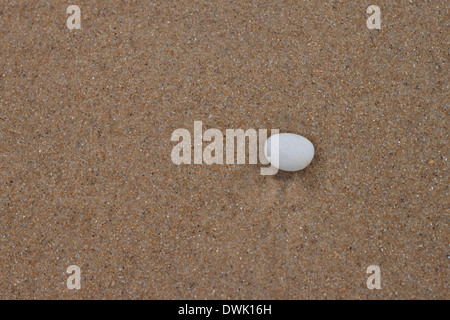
x=86 y=176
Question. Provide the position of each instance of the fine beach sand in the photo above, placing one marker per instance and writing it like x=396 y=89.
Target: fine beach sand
x=86 y=176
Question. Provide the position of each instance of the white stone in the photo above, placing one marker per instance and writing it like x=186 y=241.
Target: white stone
x=288 y=151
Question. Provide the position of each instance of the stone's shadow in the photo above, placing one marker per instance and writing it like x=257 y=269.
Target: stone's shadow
x=286 y=175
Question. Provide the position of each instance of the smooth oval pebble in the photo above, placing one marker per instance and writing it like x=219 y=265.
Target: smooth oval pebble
x=291 y=152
